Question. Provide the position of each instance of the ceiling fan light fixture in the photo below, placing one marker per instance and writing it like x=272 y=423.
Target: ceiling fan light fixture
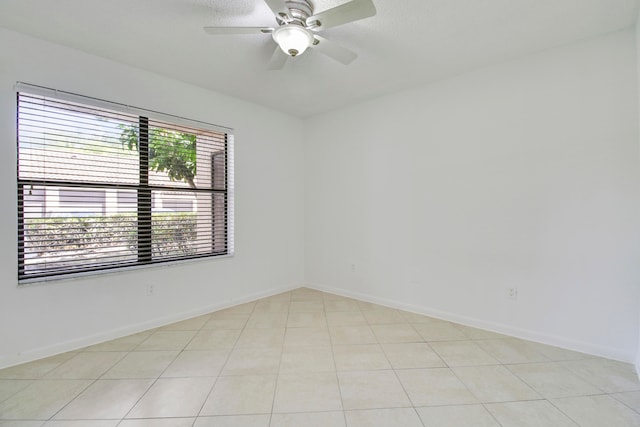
x=293 y=39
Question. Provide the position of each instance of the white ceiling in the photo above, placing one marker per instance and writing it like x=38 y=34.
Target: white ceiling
x=408 y=42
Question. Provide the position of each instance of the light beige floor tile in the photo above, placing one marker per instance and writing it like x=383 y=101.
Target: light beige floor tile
x=296 y=340
x=462 y=353
x=631 y=399
x=479 y=334
x=412 y=355
x=280 y=306
x=261 y=338
x=10 y=387
x=608 y=375
x=306 y=359
x=438 y=386
x=598 y=411
x=511 y=350
x=20 y=423
x=307 y=393
x=246 y=308
x=205 y=363
x=267 y=320
x=306 y=293
x=417 y=318
x=241 y=395
x=226 y=321
x=193 y=324
x=105 y=399
x=341 y=305
x=173 y=397
x=335 y=297
x=346 y=318
x=158 y=422
x=141 y=364
x=89 y=365
x=456 y=416
x=352 y=335
x=41 y=400
x=295 y=337
x=558 y=354
x=81 y=423
x=166 y=340
x=439 y=331
x=368 y=306
x=311 y=298
x=362 y=357
x=495 y=384
x=372 y=390
x=36 y=369
x=553 y=380
x=308 y=419
x=231 y=313
x=395 y=417
x=396 y=333
x=383 y=316
x=303 y=306
x=127 y=343
x=233 y=421
x=213 y=339
x=248 y=361
x=283 y=296
x=536 y=413
x=307 y=319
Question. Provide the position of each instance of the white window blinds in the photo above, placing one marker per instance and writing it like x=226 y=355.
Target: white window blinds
x=101 y=188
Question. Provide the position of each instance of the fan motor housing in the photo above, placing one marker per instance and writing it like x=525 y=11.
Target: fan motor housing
x=300 y=10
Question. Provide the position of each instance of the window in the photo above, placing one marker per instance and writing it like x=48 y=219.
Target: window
x=102 y=186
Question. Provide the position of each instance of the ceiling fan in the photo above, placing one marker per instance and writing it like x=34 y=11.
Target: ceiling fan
x=298 y=27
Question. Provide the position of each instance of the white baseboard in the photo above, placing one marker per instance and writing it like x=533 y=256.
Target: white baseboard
x=542 y=338
x=75 y=344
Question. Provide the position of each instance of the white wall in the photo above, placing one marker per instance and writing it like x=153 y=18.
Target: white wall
x=44 y=319
x=523 y=174
x=638 y=73
x=520 y=175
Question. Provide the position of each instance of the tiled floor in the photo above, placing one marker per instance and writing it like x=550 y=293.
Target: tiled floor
x=306 y=358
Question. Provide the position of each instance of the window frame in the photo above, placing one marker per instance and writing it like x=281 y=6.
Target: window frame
x=143 y=249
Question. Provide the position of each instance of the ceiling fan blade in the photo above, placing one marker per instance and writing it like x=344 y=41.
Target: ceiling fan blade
x=278 y=59
x=279 y=8
x=348 y=12
x=334 y=50
x=238 y=30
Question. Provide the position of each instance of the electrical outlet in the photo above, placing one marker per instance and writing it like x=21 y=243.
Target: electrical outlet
x=150 y=289
x=353 y=268
x=512 y=293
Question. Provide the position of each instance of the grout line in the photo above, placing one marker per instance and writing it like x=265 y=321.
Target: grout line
x=613 y=396
x=562 y=412
x=215 y=382
x=335 y=366
x=275 y=388
x=92 y=380
x=395 y=373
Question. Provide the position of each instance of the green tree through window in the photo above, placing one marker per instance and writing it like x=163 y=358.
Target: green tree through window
x=169 y=151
